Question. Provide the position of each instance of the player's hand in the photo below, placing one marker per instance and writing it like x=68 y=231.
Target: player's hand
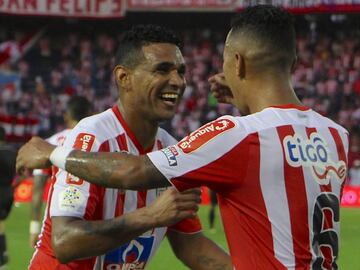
x=173 y=206
x=33 y=239
x=220 y=89
x=34 y=155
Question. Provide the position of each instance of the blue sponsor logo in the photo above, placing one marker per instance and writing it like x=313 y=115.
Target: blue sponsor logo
x=133 y=255
x=170 y=154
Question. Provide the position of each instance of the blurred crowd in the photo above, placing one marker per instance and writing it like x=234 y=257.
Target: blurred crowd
x=326 y=78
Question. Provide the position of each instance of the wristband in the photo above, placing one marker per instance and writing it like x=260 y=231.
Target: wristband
x=34 y=227
x=58 y=156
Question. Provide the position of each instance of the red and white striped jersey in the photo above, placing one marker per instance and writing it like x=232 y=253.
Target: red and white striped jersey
x=71 y=196
x=58 y=140
x=278 y=174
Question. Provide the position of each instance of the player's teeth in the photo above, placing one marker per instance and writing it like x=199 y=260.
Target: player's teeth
x=169 y=95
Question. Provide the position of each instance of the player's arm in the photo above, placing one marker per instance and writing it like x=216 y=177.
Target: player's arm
x=75 y=238
x=198 y=252
x=117 y=170
x=36 y=206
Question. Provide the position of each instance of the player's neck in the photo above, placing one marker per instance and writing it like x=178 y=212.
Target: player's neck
x=144 y=130
x=268 y=92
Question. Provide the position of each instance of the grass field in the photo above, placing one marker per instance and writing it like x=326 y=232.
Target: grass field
x=20 y=252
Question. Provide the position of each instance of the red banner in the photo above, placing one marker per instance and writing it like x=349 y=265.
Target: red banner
x=182 y=5
x=64 y=8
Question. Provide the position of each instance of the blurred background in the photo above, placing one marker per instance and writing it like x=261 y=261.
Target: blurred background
x=53 y=50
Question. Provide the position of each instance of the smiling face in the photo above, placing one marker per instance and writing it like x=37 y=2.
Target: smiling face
x=158 y=82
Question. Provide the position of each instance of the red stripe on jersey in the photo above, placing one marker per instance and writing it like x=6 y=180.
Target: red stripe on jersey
x=94 y=206
x=298 y=206
x=119 y=209
x=323 y=188
x=141 y=199
x=159 y=145
x=121 y=140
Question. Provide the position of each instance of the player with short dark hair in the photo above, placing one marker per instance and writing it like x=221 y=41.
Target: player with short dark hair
x=7 y=173
x=90 y=227
x=278 y=170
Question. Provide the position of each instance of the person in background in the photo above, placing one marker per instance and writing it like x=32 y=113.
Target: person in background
x=77 y=108
x=7 y=174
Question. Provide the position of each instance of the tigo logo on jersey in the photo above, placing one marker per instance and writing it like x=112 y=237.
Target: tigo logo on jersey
x=170 y=154
x=204 y=134
x=313 y=153
x=84 y=142
x=131 y=256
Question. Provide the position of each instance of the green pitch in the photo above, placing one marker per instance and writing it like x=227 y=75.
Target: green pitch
x=17 y=227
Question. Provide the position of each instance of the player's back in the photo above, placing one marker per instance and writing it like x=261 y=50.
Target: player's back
x=288 y=194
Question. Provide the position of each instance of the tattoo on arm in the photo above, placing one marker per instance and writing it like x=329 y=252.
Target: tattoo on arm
x=116 y=170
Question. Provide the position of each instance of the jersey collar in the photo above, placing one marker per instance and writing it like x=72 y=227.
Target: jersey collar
x=291 y=106
x=130 y=133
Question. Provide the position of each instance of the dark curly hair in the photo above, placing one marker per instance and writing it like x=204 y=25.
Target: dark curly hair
x=268 y=24
x=131 y=42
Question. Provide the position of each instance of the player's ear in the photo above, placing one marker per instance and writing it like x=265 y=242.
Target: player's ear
x=240 y=66
x=122 y=77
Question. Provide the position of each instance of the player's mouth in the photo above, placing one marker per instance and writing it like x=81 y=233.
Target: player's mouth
x=170 y=99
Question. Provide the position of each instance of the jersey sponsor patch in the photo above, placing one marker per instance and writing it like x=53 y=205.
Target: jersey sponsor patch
x=71 y=199
x=131 y=256
x=170 y=154
x=314 y=153
x=205 y=134
x=73 y=180
x=84 y=142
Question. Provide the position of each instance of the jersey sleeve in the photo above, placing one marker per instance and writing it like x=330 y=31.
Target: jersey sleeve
x=73 y=196
x=206 y=157
x=189 y=225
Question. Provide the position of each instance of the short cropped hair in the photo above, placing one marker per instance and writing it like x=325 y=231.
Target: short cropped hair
x=272 y=26
x=79 y=107
x=129 y=52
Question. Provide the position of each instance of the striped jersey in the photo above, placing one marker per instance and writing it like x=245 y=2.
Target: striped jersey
x=278 y=174
x=71 y=196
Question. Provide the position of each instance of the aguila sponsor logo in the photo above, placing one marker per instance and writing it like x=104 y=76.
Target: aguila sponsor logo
x=204 y=134
x=314 y=153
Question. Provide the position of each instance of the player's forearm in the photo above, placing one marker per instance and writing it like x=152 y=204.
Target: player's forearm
x=204 y=254
x=116 y=170
x=37 y=194
x=75 y=239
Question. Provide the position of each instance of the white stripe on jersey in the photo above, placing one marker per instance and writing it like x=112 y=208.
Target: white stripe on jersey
x=274 y=194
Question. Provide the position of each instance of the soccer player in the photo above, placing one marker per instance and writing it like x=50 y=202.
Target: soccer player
x=7 y=173
x=77 y=108
x=90 y=227
x=278 y=171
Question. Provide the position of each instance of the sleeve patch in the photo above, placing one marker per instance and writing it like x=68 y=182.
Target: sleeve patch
x=84 y=142
x=205 y=134
x=71 y=199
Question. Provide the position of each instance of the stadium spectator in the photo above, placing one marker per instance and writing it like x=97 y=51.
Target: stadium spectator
x=270 y=169
x=7 y=173
x=77 y=108
x=125 y=227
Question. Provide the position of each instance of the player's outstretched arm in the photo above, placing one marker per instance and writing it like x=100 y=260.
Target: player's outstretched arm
x=74 y=238
x=36 y=207
x=116 y=170
x=198 y=252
